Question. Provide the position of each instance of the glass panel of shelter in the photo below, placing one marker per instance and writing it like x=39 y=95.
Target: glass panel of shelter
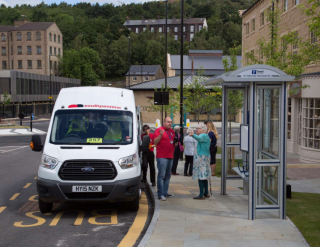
x=268 y=157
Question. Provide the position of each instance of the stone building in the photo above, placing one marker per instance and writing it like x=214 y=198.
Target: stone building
x=143 y=73
x=304 y=106
x=190 y=28
x=32 y=47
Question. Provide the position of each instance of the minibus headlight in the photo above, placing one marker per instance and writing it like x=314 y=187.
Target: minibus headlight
x=48 y=162
x=128 y=162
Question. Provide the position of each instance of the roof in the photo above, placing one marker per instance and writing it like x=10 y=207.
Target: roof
x=311 y=74
x=163 y=22
x=173 y=83
x=30 y=26
x=146 y=69
x=206 y=63
x=247 y=10
x=205 y=51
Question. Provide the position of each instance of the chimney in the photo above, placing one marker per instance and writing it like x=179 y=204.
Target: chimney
x=127 y=19
x=158 y=17
x=18 y=23
x=142 y=18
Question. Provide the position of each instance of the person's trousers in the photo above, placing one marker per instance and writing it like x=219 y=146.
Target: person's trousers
x=203 y=186
x=188 y=164
x=148 y=157
x=164 y=175
x=176 y=157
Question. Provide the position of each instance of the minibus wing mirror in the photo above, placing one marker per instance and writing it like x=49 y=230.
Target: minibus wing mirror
x=36 y=143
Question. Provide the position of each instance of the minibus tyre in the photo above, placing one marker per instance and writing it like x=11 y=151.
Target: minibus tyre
x=133 y=205
x=45 y=207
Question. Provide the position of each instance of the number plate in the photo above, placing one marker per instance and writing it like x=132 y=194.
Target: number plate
x=90 y=188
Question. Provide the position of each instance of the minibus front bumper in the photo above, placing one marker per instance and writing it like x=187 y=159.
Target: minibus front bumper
x=118 y=191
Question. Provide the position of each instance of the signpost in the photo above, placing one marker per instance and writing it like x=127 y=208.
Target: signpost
x=31 y=118
x=21 y=116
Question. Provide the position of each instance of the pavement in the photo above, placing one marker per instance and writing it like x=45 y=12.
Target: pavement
x=24 y=131
x=217 y=221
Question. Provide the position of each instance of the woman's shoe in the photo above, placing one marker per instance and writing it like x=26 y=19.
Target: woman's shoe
x=185 y=175
x=199 y=198
x=207 y=196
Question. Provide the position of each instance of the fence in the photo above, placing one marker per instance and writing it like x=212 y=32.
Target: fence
x=13 y=110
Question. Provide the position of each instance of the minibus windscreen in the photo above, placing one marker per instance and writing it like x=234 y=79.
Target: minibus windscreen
x=92 y=127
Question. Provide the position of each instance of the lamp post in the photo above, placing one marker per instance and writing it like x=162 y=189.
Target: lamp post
x=50 y=90
x=181 y=72
x=129 y=39
x=141 y=72
x=166 y=34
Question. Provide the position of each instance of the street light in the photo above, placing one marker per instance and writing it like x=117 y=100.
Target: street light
x=181 y=73
x=50 y=82
x=129 y=58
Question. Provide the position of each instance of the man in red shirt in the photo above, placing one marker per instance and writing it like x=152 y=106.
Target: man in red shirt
x=148 y=157
x=164 y=141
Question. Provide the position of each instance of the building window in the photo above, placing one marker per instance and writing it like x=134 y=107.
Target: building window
x=3 y=37
x=19 y=64
x=38 y=50
x=50 y=36
x=289 y=118
x=39 y=64
x=55 y=51
x=50 y=65
x=50 y=50
x=160 y=29
x=168 y=29
x=269 y=14
x=283 y=44
x=59 y=53
x=313 y=37
x=296 y=40
x=11 y=50
x=59 y=39
x=144 y=29
x=152 y=29
x=176 y=37
x=261 y=19
x=137 y=30
x=19 y=50
x=29 y=50
x=311 y=123
x=285 y=5
x=55 y=65
x=200 y=27
x=146 y=78
x=134 y=78
x=175 y=29
x=184 y=29
x=38 y=36
x=253 y=24
x=29 y=64
x=28 y=36
x=3 y=51
x=19 y=36
x=55 y=38
x=4 y=64
x=247 y=28
x=252 y=54
x=261 y=56
x=191 y=36
x=192 y=29
x=296 y=2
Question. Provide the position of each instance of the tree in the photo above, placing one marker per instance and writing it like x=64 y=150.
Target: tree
x=84 y=64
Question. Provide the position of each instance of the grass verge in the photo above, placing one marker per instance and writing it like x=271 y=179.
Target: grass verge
x=304 y=211
x=14 y=127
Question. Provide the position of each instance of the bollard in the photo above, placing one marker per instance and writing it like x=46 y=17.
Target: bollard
x=188 y=123
x=158 y=123
x=31 y=122
x=289 y=191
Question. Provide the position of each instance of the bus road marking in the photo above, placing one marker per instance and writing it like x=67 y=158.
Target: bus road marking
x=2 y=209
x=14 y=196
x=27 y=185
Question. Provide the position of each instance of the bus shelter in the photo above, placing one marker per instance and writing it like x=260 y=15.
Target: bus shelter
x=255 y=150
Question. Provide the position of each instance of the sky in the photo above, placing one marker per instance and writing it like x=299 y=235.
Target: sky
x=12 y=3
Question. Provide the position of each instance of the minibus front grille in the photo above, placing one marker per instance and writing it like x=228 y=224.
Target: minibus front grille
x=83 y=170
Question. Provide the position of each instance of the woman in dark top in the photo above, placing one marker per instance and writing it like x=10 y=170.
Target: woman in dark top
x=148 y=157
x=177 y=151
x=213 y=134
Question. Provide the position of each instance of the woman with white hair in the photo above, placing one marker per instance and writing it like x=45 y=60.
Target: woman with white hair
x=189 y=150
x=177 y=150
x=201 y=167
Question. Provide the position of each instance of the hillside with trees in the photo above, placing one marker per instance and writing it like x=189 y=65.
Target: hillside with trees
x=100 y=28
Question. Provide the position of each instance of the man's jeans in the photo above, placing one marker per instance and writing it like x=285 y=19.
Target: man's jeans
x=164 y=175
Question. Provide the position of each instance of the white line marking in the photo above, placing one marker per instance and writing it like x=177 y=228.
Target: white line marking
x=6 y=151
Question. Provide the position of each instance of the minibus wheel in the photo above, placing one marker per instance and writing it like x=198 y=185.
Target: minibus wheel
x=134 y=205
x=45 y=207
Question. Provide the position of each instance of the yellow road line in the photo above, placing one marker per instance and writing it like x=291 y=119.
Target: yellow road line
x=138 y=224
x=14 y=196
x=1 y=209
x=27 y=185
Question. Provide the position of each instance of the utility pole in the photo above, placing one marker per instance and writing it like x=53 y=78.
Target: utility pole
x=129 y=58
x=181 y=72
x=166 y=69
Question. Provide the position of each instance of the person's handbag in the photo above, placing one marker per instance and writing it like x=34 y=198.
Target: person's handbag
x=180 y=145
